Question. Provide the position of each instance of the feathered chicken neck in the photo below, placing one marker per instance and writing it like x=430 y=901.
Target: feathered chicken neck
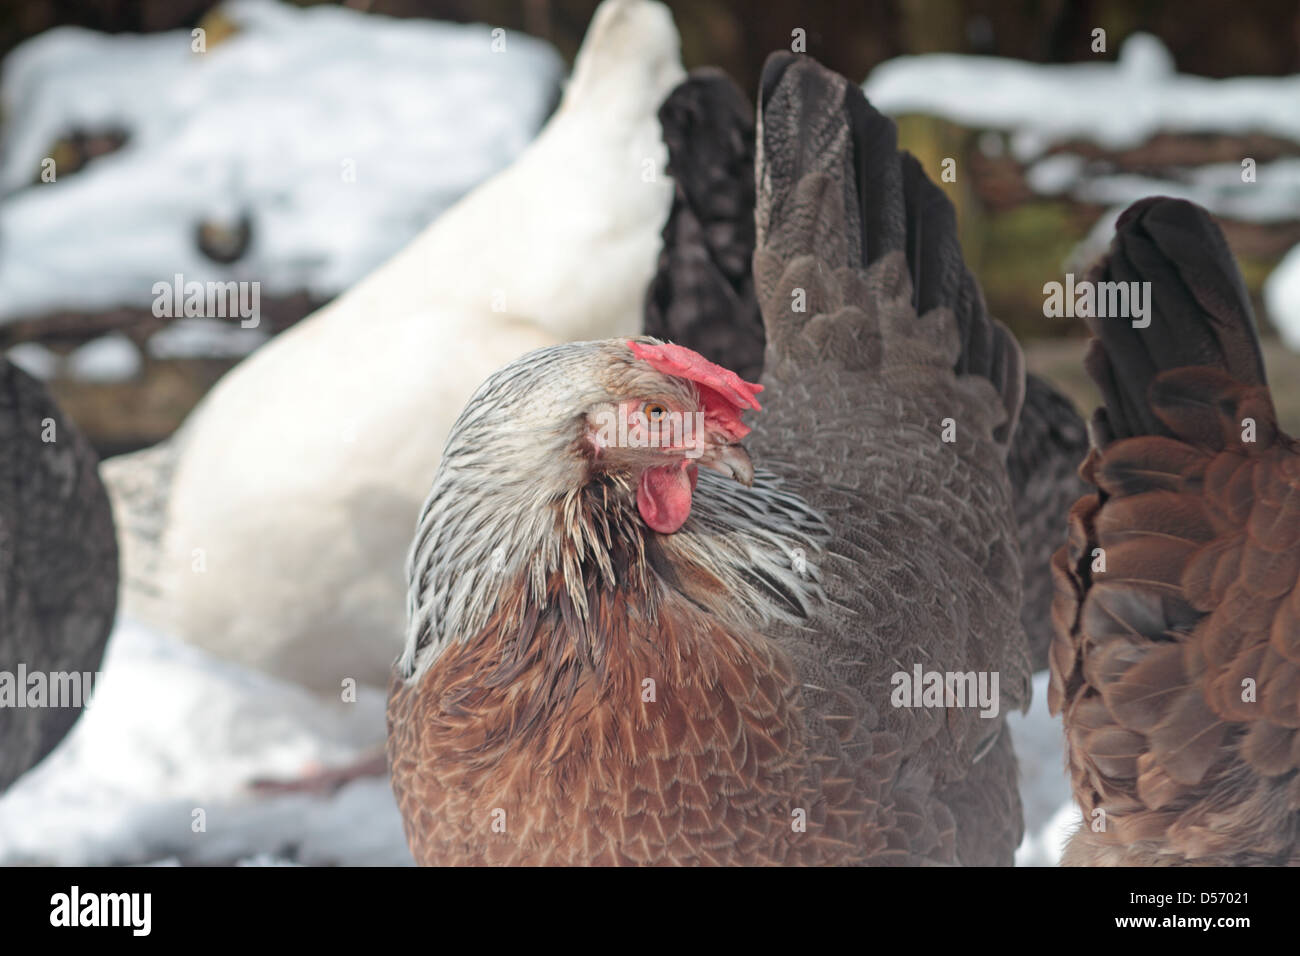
x=528 y=555
x=529 y=526
x=518 y=523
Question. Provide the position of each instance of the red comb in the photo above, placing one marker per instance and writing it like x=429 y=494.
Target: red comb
x=723 y=393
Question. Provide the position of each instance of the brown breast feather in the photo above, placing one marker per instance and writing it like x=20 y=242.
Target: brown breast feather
x=718 y=769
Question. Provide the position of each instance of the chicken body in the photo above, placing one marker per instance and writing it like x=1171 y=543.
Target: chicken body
x=578 y=688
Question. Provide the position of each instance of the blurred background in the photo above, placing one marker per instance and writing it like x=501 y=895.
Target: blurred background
x=301 y=145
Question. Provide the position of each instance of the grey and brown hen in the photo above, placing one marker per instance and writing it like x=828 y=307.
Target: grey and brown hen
x=618 y=655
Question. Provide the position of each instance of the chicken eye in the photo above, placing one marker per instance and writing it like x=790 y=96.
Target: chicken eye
x=653 y=411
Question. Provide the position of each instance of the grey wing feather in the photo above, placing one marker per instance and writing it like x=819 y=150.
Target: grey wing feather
x=923 y=566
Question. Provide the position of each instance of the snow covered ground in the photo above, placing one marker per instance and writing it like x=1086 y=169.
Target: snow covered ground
x=1050 y=812
x=338 y=134
x=1117 y=105
x=115 y=358
x=173 y=731
x=1282 y=297
x=1273 y=196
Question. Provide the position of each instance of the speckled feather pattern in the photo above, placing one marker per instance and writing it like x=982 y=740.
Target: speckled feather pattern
x=923 y=567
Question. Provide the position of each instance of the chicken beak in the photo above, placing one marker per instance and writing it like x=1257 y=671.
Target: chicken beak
x=729 y=460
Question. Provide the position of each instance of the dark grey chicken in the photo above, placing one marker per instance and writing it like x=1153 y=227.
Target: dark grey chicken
x=702 y=295
x=58 y=564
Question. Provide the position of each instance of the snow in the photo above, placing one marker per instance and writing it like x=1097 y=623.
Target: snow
x=1055 y=174
x=109 y=358
x=204 y=338
x=339 y=133
x=1282 y=298
x=1050 y=812
x=1044 y=845
x=172 y=730
x=1115 y=104
x=35 y=359
x=1274 y=196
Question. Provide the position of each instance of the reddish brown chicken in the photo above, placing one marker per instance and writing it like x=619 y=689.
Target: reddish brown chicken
x=626 y=652
x=1176 y=664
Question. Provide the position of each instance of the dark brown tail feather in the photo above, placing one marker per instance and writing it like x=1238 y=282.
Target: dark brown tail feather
x=702 y=295
x=1200 y=316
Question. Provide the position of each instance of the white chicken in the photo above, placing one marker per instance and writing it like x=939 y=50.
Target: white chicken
x=272 y=528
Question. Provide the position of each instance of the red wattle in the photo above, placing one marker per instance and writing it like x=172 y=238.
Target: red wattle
x=663 y=496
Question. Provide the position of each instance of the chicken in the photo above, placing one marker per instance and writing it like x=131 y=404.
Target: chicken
x=1176 y=663
x=273 y=527
x=702 y=297
x=617 y=654
x=58 y=573
x=1050 y=443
